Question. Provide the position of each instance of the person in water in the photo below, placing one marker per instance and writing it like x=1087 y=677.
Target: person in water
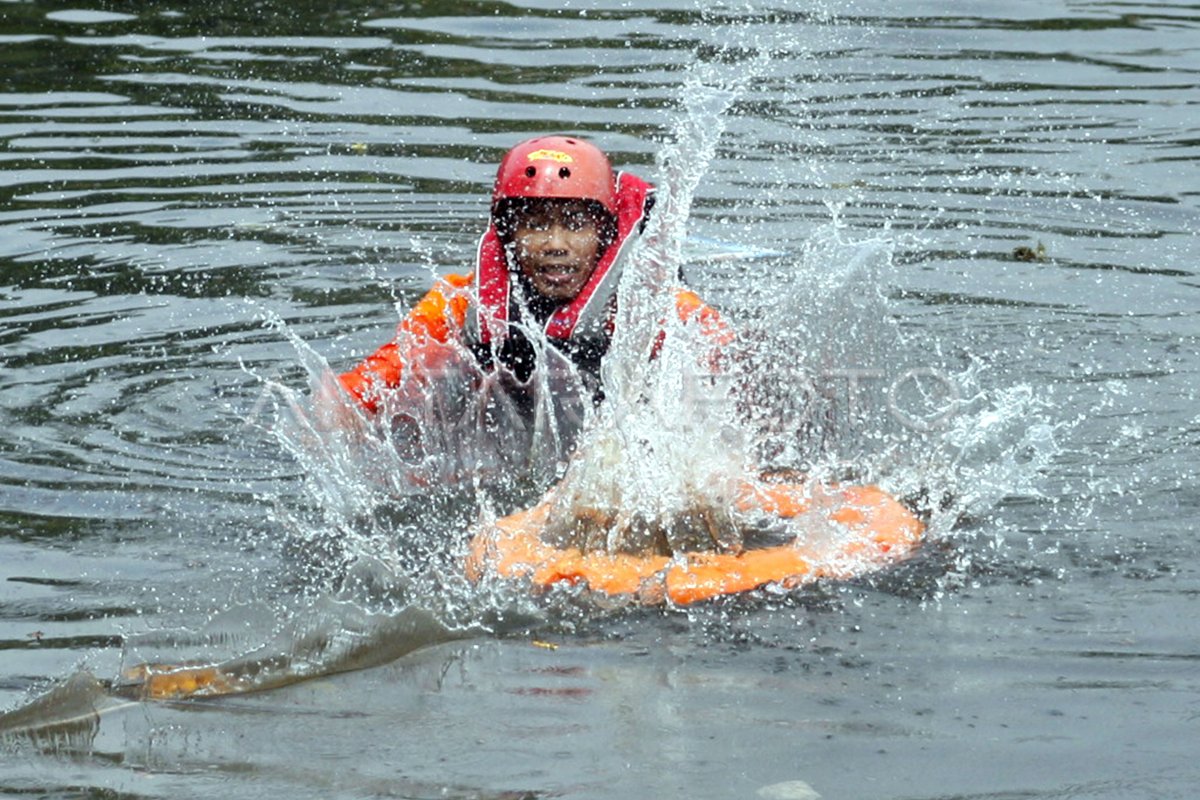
x=562 y=222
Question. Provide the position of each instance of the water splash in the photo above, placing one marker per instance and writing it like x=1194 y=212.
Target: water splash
x=390 y=497
x=666 y=445
x=813 y=351
x=822 y=381
x=63 y=720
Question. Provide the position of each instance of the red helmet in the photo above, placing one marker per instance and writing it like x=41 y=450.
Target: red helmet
x=557 y=166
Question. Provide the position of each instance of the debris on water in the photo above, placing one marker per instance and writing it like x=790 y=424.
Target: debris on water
x=1026 y=253
x=169 y=682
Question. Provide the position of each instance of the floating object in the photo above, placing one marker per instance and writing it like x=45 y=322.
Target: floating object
x=842 y=532
x=1026 y=253
x=178 y=681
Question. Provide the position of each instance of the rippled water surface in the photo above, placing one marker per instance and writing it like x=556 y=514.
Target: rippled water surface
x=187 y=190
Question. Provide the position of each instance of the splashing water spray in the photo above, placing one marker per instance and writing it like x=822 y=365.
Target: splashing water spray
x=660 y=465
x=658 y=469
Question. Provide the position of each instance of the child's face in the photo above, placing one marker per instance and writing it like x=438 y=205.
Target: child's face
x=557 y=244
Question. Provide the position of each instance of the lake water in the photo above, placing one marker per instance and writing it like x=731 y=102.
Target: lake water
x=188 y=191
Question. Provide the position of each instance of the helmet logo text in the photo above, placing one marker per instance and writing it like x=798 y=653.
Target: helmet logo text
x=551 y=155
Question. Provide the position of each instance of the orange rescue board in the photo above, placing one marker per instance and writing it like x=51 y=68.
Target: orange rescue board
x=875 y=530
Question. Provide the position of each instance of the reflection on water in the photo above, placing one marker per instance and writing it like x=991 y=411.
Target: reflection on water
x=163 y=164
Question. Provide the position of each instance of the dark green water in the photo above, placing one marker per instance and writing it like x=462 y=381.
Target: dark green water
x=171 y=176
